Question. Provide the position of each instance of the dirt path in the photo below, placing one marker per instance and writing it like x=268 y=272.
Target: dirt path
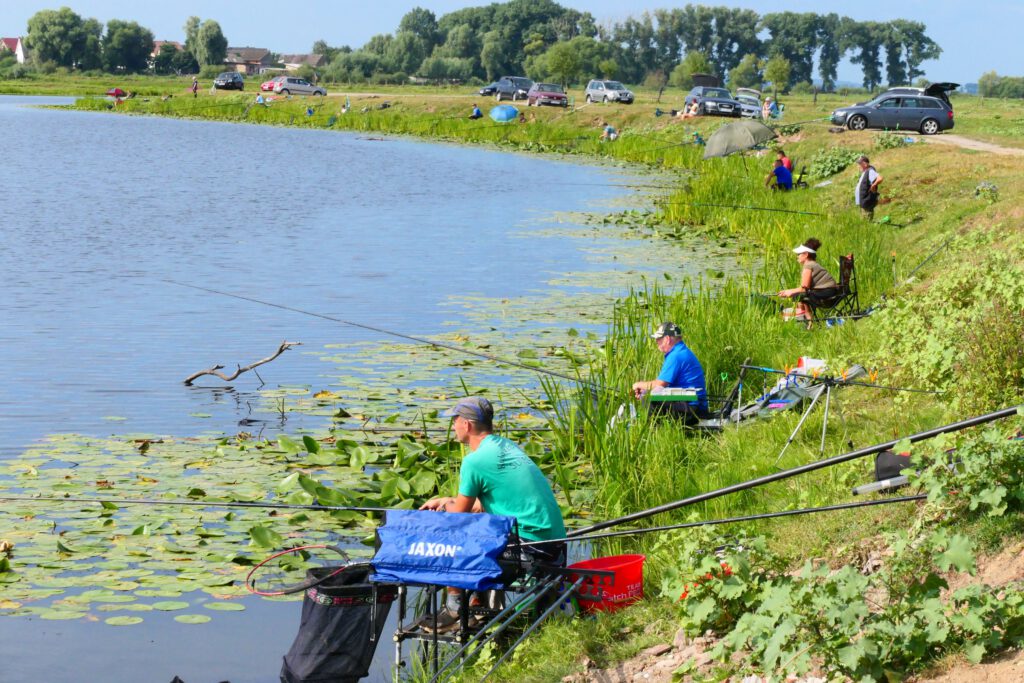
x=978 y=145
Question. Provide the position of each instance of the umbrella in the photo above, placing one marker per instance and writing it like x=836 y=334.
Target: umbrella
x=116 y=92
x=736 y=137
x=504 y=113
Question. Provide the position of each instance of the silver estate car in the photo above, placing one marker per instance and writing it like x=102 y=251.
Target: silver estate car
x=289 y=85
x=608 y=91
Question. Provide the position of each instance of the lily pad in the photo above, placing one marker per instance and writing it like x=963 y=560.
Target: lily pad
x=225 y=606
x=192 y=618
x=123 y=621
x=170 y=605
x=60 y=615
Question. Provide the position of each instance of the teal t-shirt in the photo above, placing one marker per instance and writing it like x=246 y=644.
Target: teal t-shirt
x=508 y=483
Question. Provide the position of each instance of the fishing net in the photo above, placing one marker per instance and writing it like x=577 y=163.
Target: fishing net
x=342 y=619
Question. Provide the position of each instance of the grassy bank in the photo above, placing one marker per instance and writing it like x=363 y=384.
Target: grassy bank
x=955 y=327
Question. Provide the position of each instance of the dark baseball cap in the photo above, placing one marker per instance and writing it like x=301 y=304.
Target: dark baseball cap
x=474 y=408
x=667 y=329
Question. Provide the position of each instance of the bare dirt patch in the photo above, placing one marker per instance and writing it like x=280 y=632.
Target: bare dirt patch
x=977 y=145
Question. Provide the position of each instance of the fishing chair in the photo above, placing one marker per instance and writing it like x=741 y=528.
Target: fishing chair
x=845 y=303
x=799 y=182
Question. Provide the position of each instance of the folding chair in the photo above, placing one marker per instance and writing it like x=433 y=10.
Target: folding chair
x=845 y=303
x=799 y=181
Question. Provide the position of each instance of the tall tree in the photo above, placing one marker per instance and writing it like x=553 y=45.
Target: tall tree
x=698 y=28
x=494 y=54
x=191 y=29
x=917 y=46
x=126 y=47
x=863 y=38
x=892 y=43
x=830 y=55
x=668 y=39
x=563 y=63
x=423 y=24
x=694 y=63
x=795 y=37
x=406 y=52
x=735 y=37
x=211 y=45
x=61 y=36
x=92 y=45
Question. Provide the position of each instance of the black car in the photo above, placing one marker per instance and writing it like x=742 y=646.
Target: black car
x=512 y=88
x=713 y=102
x=489 y=89
x=926 y=110
x=229 y=80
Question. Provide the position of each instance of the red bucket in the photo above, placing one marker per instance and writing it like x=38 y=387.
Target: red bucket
x=627 y=588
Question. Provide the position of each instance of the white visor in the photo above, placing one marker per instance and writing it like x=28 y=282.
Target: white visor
x=802 y=249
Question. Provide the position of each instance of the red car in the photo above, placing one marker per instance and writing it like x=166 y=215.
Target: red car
x=547 y=93
x=269 y=85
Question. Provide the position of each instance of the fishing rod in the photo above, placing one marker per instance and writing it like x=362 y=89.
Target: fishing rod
x=834 y=380
x=930 y=257
x=421 y=340
x=735 y=520
x=193 y=503
x=802 y=469
x=748 y=208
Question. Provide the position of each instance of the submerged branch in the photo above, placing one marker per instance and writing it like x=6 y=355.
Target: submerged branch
x=285 y=345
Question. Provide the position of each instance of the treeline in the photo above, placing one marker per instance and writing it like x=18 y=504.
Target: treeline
x=543 y=39
x=992 y=84
x=62 y=38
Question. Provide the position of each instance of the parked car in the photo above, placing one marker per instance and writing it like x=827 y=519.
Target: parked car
x=608 y=91
x=547 y=93
x=229 y=80
x=713 y=101
x=750 y=102
x=489 y=89
x=269 y=85
x=512 y=88
x=289 y=85
x=900 y=109
x=939 y=90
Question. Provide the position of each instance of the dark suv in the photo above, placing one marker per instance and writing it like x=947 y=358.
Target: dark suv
x=512 y=88
x=927 y=110
x=229 y=80
x=713 y=102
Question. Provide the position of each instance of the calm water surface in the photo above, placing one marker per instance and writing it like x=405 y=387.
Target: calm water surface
x=99 y=210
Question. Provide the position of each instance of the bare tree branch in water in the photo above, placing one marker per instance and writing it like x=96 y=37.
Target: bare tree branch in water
x=285 y=345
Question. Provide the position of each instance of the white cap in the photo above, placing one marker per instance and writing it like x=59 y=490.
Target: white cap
x=804 y=249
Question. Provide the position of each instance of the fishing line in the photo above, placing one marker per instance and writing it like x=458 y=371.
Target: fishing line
x=734 y=520
x=748 y=208
x=421 y=340
x=802 y=469
x=193 y=503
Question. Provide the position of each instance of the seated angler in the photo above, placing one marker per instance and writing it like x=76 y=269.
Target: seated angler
x=680 y=370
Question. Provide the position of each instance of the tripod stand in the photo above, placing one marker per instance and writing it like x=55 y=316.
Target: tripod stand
x=824 y=386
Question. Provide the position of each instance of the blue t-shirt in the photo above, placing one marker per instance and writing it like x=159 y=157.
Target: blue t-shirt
x=681 y=369
x=783 y=177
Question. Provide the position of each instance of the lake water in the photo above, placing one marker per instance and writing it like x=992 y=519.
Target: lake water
x=99 y=210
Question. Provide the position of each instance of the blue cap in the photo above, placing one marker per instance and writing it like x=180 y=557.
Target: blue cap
x=474 y=408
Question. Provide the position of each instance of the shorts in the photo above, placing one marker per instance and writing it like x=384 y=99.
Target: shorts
x=820 y=297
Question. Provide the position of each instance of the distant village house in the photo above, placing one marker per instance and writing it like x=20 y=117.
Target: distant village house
x=296 y=62
x=157 y=44
x=15 y=45
x=248 y=60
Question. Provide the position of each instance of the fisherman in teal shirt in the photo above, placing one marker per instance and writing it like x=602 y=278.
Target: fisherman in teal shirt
x=680 y=369
x=497 y=477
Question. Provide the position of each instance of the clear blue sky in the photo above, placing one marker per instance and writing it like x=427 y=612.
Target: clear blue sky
x=975 y=36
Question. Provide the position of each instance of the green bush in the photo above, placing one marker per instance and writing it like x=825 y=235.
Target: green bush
x=211 y=71
x=802 y=88
x=830 y=161
x=887 y=140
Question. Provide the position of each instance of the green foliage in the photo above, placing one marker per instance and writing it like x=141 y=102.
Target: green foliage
x=790 y=129
x=126 y=47
x=873 y=627
x=963 y=334
x=695 y=62
x=987 y=191
x=888 y=140
x=64 y=38
x=210 y=46
x=563 y=63
x=832 y=160
x=802 y=88
x=746 y=74
x=777 y=71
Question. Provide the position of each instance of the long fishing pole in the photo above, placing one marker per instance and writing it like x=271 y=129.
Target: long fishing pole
x=747 y=208
x=802 y=469
x=194 y=503
x=929 y=258
x=421 y=340
x=842 y=382
x=735 y=520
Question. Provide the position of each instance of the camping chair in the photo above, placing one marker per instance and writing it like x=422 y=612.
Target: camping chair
x=798 y=181
x=845 y=303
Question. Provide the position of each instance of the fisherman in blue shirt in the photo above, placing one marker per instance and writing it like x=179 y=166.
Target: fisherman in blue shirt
x=680 y=369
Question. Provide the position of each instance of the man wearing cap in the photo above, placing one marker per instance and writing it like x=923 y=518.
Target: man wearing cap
x=680 y=369
x=866 y=194
x=497 y=477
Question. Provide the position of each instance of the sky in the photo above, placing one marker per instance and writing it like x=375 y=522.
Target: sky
x=975 y=36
